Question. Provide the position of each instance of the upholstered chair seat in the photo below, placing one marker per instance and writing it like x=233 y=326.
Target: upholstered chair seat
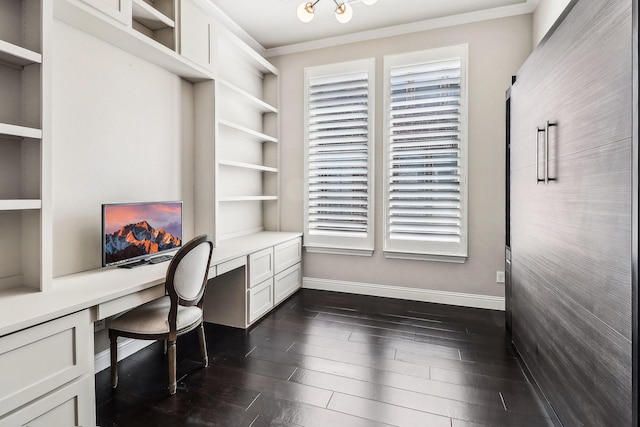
x=152 y=318
x=177 y=313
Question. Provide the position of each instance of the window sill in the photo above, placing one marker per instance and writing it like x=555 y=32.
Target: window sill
x=456 y=259
x=338 y=251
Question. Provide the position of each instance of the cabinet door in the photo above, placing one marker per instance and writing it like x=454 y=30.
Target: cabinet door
x=39 y=359
x=570 y=238
x=196 y=34
x=119 y=10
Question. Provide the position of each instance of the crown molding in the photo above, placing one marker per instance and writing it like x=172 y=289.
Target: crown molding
x=397 y=30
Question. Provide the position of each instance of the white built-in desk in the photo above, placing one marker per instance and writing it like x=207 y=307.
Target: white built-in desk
x=46 y=338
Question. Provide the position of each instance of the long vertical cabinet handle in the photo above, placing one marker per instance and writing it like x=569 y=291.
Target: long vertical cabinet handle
x=546 y=151
x=538 y=130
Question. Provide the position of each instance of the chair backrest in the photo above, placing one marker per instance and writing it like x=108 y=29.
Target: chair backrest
x=187 y=274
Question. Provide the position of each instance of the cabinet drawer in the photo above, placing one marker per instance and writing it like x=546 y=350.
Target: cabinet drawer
x=72 y=405
x=260 y=266
x=286 y=283
x=37 y=360
x=287 y=254
x=260 y=300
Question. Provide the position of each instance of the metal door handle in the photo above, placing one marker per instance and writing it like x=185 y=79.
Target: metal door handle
x=538 y=130
x=546 y=151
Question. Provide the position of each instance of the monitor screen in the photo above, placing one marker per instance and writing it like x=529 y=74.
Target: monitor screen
x=137 y=231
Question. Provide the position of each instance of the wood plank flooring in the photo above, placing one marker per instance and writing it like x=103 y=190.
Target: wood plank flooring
x=334 y=360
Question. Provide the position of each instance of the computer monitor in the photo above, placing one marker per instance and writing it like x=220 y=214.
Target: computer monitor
x=135 y=233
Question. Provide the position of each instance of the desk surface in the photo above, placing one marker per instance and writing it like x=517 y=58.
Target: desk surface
x=21 y=308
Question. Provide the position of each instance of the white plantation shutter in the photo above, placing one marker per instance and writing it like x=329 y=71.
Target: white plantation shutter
x=338 y=136
x=426 y=154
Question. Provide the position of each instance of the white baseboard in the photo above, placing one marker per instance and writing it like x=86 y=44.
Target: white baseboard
x=400 y=292
x=126 y=348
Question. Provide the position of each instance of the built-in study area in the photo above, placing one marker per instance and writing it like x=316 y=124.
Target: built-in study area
x=161 y=104
x=113 y=104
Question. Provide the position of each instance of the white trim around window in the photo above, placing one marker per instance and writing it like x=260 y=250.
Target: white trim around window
x=425 y=155
x=339 y=176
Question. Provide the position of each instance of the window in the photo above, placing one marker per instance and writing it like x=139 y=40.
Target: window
x=425 y=163
x=339 y=152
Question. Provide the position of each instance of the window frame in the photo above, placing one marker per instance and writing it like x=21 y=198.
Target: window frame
x=342 y=245
x=424 y=250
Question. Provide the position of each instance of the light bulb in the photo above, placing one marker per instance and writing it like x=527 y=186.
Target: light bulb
x=344 y=13
x=306 y=12
x=369 y=2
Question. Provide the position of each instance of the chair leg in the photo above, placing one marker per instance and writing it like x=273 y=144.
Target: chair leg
x=172 y=367
x=114 y=361
x=164 y=346
x=203 y=345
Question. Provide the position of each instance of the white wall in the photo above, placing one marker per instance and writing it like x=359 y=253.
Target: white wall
x=497 y=49
x=122 y=132
x=546 y=14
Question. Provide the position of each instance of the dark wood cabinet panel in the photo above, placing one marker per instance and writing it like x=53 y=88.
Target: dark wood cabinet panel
x=570 y=294
x=580 y=79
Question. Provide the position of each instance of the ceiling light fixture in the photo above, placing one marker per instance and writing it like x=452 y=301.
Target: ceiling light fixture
x=344 y=12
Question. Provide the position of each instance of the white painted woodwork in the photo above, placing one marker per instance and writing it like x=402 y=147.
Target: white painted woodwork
x=232 y=265
x=64 y=341
x=286 y=283
x=156 y=47
x=237 y=155
x=71 y=405
x=287 y=254
x=117 y=10
x=25 y=151
x=260 y=300
x=149 y=16
x=260 y=266
x=196 y=34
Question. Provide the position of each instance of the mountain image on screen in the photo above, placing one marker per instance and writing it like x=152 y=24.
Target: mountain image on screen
x=138 y=239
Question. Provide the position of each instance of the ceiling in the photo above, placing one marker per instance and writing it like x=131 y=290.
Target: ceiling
x=274 y=24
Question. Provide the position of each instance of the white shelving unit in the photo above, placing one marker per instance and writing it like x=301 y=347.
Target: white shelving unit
x=155 y=19
x=237 y=140
x=25 y=151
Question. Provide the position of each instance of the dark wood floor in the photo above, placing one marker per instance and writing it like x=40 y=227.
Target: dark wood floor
x=334 y=360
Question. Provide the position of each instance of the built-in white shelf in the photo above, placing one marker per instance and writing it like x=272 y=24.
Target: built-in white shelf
x=248 y=198
x=16 y=55
x=255 y=102
x=19 y=131
x=248 y=166
x=262 y=137
x=239 y=49
x=20 y=205
x=149 y=16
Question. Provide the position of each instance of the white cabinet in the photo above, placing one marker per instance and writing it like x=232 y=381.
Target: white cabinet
x=118 y=10
x=196 y=34
x=47 y=371
x=25 y=150
x=72 y=405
